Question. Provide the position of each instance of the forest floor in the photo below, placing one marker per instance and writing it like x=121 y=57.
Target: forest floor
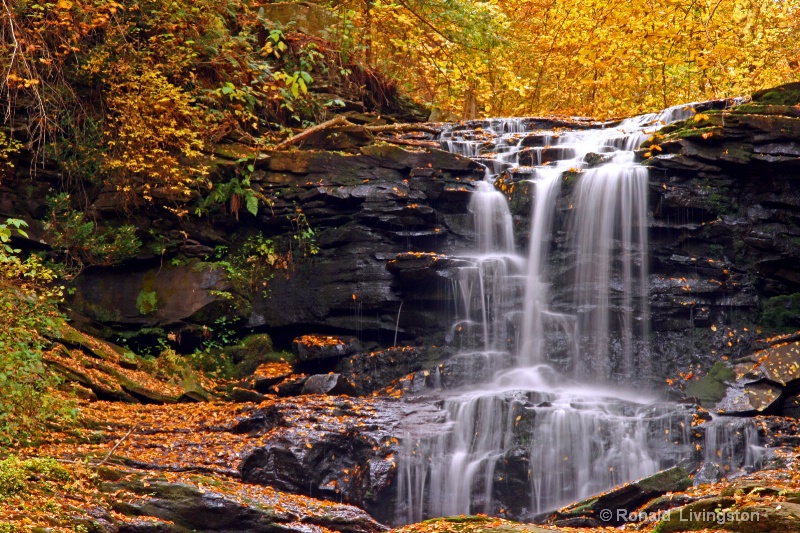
x=79 y=478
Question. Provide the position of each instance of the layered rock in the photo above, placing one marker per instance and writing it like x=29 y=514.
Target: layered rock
x=336 y=448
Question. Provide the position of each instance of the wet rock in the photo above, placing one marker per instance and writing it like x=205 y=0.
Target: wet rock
x=470 y=368
x=169 y=295
x=783 y=95
x=373 y=371
x=721 y=513
x=252 y=351
x=267 y=375
x=291 y=386
x=749 y=398
x=595 y=160
x=782 y=363
x=314 y=347
x=711 y=388
x=336 y=447
x=332 y=384
x=617 y=503
x=244 y=395
x=708 y=473
x=182 y=507
x=107 y=379
x=261 y=421
x=766 y=379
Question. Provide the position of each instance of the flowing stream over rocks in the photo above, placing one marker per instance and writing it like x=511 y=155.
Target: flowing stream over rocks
x=567 y=412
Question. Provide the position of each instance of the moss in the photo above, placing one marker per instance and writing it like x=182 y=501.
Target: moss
x=254 y=351
x=721 y=205
x=15 y=473
x=756 y=109
x=717 y=251
x=571 y=176
x=467 y=519
x=147 y=302
x=781 y=313
x=788 y=94
x=583 y=508
x=12 y=477
x=711 y=388
x=695 y=133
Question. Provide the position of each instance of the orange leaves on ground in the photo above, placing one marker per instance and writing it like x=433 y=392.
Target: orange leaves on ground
x=272 y=370
x=320 y=340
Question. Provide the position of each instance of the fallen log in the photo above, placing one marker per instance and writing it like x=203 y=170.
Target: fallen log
x=341 y=122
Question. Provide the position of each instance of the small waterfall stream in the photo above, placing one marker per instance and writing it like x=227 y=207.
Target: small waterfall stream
x=540 y=434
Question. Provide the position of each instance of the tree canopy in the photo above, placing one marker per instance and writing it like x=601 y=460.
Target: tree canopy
x=594 y=57
x=129 y=93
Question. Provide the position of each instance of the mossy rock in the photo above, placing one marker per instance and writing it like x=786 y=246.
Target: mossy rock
x=788 y=94
x=252 y=346
x=781 y=313
x=760 y=109
x=253 y=351
x=711 y=388
x=475 y=524
x=719 y=514
x=101 y=349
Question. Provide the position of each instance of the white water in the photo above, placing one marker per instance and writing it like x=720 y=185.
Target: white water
x=575 y=436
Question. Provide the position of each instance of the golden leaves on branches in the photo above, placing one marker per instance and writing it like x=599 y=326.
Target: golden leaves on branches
x=154 y=142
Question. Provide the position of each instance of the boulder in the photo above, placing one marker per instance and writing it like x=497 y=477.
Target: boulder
x=611 y=508
x=721 y=513
x=196 y=506
x=766 y=380
x=333 y=447
x=267 y=375
x=331 y=384
x=372 y=371
x=315 y=347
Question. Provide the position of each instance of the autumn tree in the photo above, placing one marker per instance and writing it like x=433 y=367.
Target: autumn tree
x=598 y=57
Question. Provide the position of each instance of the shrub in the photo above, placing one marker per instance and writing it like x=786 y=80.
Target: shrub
x=28 y=309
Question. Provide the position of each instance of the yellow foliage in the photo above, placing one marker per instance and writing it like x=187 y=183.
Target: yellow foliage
x=154 y=138
x=595 y=57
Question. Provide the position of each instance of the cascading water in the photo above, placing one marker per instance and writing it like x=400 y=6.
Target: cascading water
x=556 y=439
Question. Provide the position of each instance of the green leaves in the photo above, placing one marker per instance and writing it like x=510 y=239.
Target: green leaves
x=80 y=240
x=5 y=236
x=28 y=310
x=251 y=204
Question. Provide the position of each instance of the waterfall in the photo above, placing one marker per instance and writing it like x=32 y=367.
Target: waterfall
x=552 y=424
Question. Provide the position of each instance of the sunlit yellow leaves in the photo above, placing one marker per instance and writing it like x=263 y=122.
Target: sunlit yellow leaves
x=156 y=140
x=598 y=57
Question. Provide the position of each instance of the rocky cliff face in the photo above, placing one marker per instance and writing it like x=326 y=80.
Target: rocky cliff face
x=725 y=196
x=364 y=243
x=387 y=222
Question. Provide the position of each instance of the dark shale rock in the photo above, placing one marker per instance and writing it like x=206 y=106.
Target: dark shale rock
x=182 y=508
x=608 y=507
x=375 y=370
x=291 y=386
x=314 y=347
x=390 y=223
x=332 y=384
x=768 y=381
x=238 y=394
x=336 y=448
